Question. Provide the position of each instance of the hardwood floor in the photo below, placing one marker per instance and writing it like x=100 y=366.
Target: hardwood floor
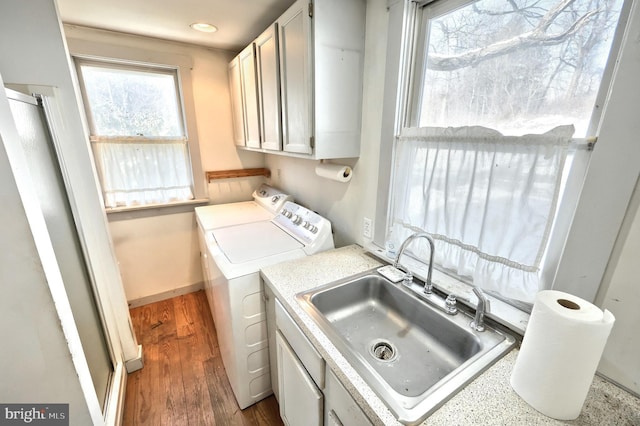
x=183 y=381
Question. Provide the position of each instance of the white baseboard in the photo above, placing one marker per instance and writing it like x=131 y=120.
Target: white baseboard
x=134 y=303
x=135 y=364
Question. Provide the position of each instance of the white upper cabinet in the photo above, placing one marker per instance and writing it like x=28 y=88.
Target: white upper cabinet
x=338 y=62
x=296 y=78
x=250 y=97
x=267 y=71
x=318 y=95
x=244 y=99
x=235 y=88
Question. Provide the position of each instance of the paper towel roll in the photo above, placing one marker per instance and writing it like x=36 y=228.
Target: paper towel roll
x=334 y=171
x=560 y=352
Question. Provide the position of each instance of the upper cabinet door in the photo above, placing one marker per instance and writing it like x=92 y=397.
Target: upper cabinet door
x=294 y=32
x=269 y=88
x=338 y=66
x=250 y=96
x=237 y=105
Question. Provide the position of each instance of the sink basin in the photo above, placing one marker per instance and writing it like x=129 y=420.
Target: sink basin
x=413 y=355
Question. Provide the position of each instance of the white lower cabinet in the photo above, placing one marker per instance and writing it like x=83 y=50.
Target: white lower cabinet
x=270 y=308
x=307 y=391
x=339 y=406
x=301 y=402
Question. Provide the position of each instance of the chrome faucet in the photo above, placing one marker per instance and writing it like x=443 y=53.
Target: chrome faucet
x=481 y=309
x=428 y=285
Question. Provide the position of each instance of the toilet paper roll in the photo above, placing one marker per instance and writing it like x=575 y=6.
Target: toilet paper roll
x=334 y=171
x=560 y=352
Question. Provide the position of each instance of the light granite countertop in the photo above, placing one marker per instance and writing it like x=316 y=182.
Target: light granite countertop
x=488 y=400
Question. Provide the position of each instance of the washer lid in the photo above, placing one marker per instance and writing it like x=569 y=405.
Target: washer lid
x=251 y=241
x=220 y=215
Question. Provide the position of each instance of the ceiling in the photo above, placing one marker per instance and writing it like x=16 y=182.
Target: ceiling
x=238 y=21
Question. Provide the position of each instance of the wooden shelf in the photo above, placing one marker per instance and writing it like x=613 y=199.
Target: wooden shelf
x=229 y=174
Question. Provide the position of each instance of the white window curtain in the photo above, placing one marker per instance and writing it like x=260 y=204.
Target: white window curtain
x=488 y=201
x=138 y=173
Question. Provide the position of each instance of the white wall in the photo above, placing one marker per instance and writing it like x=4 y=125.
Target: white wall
x=620 y=293
x=157 y=249
x=159 y=255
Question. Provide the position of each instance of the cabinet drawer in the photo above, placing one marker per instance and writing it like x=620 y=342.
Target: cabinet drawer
x=303 y=348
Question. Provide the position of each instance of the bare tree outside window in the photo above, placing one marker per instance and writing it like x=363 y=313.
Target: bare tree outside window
x=517 y=66
x=127 y=102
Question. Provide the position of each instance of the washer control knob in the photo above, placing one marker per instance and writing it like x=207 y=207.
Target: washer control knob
x=262 y=192
x=306 y=224
x=286 y=213
x=296 y=219
x=275 y=198
x=313 y=229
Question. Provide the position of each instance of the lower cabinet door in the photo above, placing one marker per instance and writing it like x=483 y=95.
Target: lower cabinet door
x=301 y=402
x=340 y=408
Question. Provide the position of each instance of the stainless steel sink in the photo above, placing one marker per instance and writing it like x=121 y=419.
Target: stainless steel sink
x=413 y=355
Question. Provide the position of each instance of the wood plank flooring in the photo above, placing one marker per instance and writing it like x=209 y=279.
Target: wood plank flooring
x=183 y=382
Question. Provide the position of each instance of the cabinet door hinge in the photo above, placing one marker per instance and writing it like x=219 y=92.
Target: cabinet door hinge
x=312 y=142
x=310 y=10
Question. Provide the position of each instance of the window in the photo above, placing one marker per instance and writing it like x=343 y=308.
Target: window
x=519 y=67
x=138 y=132
x=499 y=92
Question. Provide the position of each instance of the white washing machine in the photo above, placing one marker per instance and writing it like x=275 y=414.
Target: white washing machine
x=236 y=254
x=267 y=202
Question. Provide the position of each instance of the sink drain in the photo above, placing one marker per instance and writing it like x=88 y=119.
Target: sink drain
x=383 y=350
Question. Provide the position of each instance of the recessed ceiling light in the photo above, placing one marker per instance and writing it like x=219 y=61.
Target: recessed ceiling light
x=204 y=27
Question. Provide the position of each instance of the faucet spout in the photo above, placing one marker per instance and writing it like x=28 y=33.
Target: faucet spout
x=428 y=285
x=481 y=309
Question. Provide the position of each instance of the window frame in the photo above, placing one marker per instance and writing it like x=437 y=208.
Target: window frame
x=405 y=23
x=132 y=66
x=128 y=59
